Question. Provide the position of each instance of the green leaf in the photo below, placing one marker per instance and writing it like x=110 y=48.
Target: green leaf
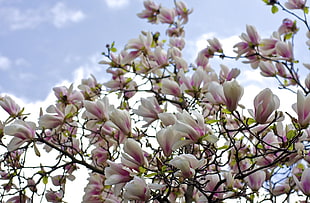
x=291 y=134
x=250 y=121
x=151 y=175
x=226 y=111
x=211 y=121
x=45 y=180
x=288 y=36
x=142 y=169
x=274 y=9
x=113 y=49
x=306 y=10
x=223 y=147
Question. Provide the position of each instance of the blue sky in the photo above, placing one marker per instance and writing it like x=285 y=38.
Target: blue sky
x=44 y=43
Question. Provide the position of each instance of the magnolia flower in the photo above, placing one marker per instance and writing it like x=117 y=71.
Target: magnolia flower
x=52 y=196
x=304 y=183
x=256 y=180
x=183 y=11
x=285 y=50
x=226 y=74
x=280 y=189
x=265 y=103
x=97 y=110
x=192 y=128
x=90 y=88
x=68 y=95
x=99 y=156
x=307 y=81
x=141 y=45
x=133 y=156
x=137 y=189
x=166 y=15
x=122 y=120
x=149 y=110
x=215 y=45
x=212 y=182
x=9 y=105
x=116 y=173
x=295 y=4
x=302 y=108
x=267 y=69
x=215 y=93
x=170 y=87
x=233 y=93
x=52 y=120
x=150 y=12
x=187 y=163
x=22 y=131
x=169 y=140
x=268 y=46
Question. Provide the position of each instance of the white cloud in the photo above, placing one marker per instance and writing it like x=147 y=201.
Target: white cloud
x=5 y=63
x=59 y=15
x=62 y=15
x=17 y=19
x=116 y=3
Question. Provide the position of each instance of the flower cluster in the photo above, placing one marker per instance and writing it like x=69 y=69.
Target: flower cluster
x=177 y=131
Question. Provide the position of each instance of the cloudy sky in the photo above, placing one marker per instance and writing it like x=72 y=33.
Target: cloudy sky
x=44 y=43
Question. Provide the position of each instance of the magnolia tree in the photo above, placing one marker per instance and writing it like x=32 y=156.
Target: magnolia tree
x=176 y=132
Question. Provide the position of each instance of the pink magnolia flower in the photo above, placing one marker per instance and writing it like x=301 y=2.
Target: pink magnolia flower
x=97 y=111
x=116 y=173
x=150 y=12
x=55 y=118
x=68 y=95
x=166 y=15
x=121 y=119
x=256 y=180
x=307 y=81
x=94 y=188
x=268 y=46
x=169 y=140
x=52 y=196
x=194 y=129
x=285 y=50
x=304 y=183
x=9 y=105
x=265 y=103
x=215 y=45
x=212 y=181
x=267 y=69
x=295 y=4
x=302 y=108
x=250 y=40
x=215 y=93
x=99 y=156
x=141 y=45
x=149 y=110
x=137 y=189
x=90 y=88
x=280 y=189
x=19 y=199
x=226 y=74
x=183 y=11
x=288 y=26
x=233 y=93
x=134 y=155
x=22 y=131
x=170 y=87
x=187 y=163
